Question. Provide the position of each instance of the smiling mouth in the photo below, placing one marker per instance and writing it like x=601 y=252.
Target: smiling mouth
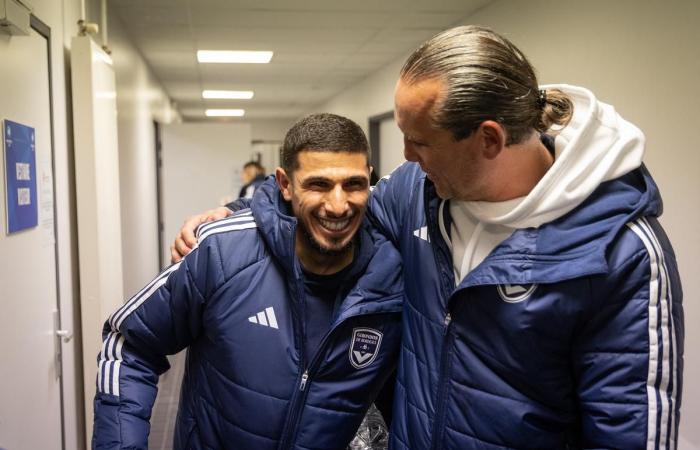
x=334 y=225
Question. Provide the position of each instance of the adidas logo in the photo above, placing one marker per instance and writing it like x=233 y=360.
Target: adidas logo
x=422 y=233
x=266 y=318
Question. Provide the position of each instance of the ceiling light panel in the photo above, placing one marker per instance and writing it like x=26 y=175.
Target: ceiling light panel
x=233 y=95
x=228 y=56
x=225 y=112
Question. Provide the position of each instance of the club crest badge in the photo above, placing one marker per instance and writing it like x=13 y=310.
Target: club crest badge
x=516 y=293
x=364 y=347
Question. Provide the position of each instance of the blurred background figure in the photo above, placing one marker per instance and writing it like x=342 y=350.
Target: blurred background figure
x=252 y=176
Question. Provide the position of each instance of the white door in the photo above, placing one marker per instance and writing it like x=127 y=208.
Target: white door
x=390 y=146
x=30 y=401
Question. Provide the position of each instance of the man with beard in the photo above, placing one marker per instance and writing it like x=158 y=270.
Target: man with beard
x=290 y=312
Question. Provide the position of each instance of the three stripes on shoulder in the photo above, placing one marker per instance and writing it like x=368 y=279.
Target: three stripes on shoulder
x=239 y=221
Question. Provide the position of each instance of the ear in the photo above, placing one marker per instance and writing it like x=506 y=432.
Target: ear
x=285 y=183
x=493 y=138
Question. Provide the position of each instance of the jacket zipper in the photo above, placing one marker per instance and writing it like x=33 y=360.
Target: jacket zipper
x=441 y=260
x=299 y=397
x=441 y=403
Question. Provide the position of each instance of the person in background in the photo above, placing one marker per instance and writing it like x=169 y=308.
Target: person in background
x=290 y=311
x=252 y=176
x=544 y=305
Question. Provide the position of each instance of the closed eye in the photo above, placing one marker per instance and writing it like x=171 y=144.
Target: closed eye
x=415 y=143
x=356 y=184
x=317 y=185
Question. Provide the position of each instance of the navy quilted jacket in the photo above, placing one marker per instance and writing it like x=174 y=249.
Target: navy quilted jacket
x=235 y=303
x=565 y=336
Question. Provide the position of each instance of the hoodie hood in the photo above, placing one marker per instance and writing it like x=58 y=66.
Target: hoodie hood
x=596 y=146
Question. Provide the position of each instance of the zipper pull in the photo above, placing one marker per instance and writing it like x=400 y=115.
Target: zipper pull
x=448 y=319
x=304 y=378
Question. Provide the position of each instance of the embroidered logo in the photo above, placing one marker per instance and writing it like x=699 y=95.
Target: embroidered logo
x=516 y=293
x=265 y=318
x=422 y=233
x=364 y=346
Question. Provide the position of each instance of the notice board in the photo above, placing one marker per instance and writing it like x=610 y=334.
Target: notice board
x=20 y=176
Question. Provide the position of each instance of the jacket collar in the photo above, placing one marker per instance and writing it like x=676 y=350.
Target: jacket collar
x=572 y=246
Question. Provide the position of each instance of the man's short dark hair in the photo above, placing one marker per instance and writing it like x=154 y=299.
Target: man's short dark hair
x=258 y=167
x=325 y=133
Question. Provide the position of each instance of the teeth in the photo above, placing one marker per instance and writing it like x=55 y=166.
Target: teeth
x=334 y=226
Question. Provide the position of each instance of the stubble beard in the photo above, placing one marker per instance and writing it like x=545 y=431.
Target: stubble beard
x=323 y=250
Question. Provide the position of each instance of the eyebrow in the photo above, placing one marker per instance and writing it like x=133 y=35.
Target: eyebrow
x=353 y=178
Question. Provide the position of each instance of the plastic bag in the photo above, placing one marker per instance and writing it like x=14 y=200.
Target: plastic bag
x=372 y=434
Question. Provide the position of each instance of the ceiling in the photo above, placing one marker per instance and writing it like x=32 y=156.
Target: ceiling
x=321 y=46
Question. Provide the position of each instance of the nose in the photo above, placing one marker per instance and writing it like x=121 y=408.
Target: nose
x=337 y=202
x=408 y=151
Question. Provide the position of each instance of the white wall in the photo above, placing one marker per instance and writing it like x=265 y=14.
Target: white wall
x=644 y=58
x=370 y=97
x=140 y=101
x=201 y=168
x=269 y=129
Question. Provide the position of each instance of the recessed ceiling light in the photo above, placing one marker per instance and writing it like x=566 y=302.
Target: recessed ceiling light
x=227 y=56
x=225 y=112
x=239 y=95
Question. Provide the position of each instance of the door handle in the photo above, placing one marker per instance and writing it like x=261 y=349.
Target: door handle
x=65 y=335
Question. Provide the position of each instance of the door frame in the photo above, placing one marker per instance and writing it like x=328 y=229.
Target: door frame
x=45 y=31
x=374 y=124
x=158 y=142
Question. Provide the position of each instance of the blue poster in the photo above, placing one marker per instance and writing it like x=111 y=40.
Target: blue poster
x=20 y=177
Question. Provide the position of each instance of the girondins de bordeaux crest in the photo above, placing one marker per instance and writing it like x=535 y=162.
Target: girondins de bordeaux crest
x=364 y=346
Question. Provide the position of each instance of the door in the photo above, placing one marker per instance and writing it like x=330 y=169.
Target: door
x=386 y=141
x=30 y=391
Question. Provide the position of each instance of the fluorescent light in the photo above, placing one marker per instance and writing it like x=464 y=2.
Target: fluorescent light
x=239 y=95
x=227 y=56
x=225 y=112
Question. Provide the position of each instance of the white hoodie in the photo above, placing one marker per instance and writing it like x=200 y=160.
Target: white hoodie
x=596 y=146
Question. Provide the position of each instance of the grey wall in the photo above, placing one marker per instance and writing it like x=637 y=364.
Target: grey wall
x=201 y=168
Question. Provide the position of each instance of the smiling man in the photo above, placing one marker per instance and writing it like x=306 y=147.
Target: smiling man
x=290 y=311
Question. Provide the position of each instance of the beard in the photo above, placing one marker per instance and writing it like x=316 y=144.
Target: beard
x=323 y=250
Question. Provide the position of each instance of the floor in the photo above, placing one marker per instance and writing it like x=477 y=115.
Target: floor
x=165 y=408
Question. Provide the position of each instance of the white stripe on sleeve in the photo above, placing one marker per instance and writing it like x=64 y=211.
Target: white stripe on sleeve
x=137 y=301
x=669 y=369
x=659 y=352
x=234 y=227
x=117 y=315
x=238 y=217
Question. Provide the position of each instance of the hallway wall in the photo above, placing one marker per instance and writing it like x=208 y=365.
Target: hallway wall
x=140 y=101
x=201 y=169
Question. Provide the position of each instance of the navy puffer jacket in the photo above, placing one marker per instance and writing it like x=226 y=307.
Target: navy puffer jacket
x=235 y=303
x=569 y=335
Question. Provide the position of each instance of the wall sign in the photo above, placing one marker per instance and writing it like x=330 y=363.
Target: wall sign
x=20 y=177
